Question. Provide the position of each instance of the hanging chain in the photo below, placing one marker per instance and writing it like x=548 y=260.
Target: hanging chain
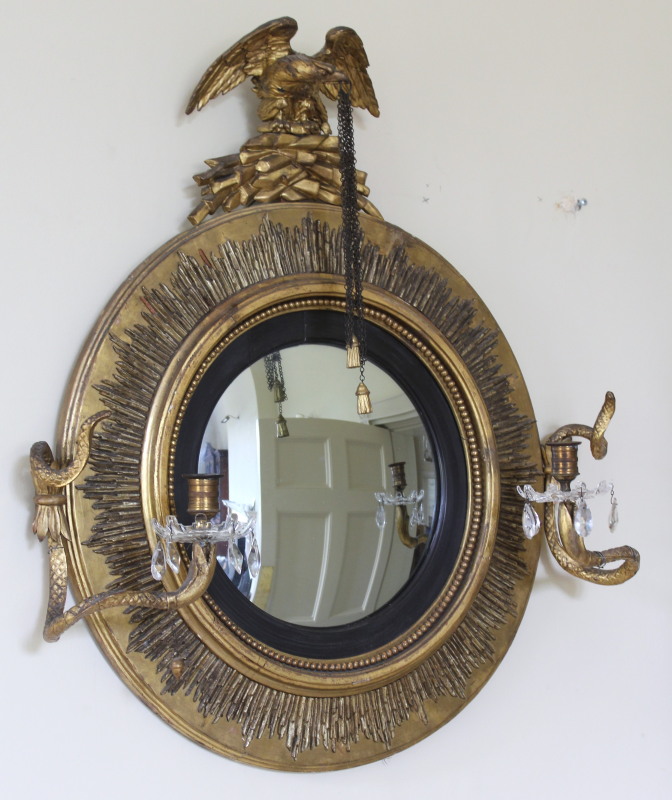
x=281 y=376
x=274 y=375
x=275 y=380
x=352 y=233
x=269 y=364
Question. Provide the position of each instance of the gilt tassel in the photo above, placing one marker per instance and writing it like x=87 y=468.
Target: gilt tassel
x=363 y=399
x=352 y=353
x=281 y=429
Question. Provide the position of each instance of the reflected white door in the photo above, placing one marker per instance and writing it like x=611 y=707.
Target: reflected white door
x=324 y=560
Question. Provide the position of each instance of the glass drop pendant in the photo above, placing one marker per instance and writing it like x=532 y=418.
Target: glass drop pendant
x=254 y=560
x=235 y=556
x=158 y=562
x=173 y=556
x=531 y=522
x=583 y=518
x=380 y=516
x=613 y=515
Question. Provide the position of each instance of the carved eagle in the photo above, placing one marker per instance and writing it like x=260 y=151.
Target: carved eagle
x=288 y=83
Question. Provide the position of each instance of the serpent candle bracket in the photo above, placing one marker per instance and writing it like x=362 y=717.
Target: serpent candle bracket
x=568 y=519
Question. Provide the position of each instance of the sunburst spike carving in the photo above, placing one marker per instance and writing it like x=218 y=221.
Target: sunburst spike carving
x=218 y=690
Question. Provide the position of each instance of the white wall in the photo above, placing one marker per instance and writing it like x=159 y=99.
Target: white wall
x=491 y=113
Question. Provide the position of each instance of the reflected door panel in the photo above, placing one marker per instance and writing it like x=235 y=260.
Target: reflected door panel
x=323 y=559
x=326 y=557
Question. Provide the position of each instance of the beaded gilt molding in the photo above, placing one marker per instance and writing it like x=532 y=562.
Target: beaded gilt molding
x=241 y=717
x=471 y=446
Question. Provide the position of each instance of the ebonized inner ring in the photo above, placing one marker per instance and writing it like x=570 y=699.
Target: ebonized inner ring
x=416 y=596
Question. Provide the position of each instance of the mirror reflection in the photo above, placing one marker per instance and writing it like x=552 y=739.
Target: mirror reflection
x=339 y=530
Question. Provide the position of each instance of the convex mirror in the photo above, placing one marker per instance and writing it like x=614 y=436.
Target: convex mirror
x=330 y=553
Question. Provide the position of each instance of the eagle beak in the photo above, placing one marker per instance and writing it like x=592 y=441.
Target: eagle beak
x=337 y=77
x=329 y=74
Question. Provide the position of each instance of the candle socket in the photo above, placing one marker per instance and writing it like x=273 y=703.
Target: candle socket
x=564 y=462
x=203 y=494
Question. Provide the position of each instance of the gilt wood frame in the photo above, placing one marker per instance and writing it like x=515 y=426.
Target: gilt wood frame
x=236 y=695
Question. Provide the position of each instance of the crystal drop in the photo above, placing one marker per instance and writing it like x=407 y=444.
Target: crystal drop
x=235 y=556
x=380 y=516
x=583 y=518
x=253 y=560
x=613 y=515
x=172 y=556
x=223 y=551
x=531 y=523
x=172 y=525
x=421 y=514
x=414 y=516
x=158 y=562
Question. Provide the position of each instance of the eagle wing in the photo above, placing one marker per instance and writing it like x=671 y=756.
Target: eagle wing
x=249 y=56
x=344 y=50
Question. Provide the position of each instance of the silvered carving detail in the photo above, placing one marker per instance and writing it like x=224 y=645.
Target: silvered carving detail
x=196 y=287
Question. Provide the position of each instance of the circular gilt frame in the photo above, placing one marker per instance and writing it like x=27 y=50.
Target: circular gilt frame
x=235 y=693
